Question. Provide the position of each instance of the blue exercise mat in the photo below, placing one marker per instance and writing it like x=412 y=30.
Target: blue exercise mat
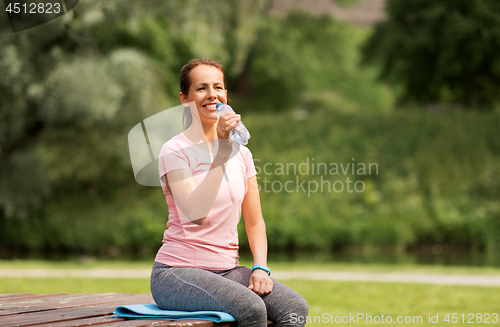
x=151 y=311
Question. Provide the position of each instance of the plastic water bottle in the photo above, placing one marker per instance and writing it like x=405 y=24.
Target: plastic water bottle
x=239 y=134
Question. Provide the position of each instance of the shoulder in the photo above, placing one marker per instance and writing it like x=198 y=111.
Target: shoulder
x=176 y=143
x=245 y=155
x=244 y=152
x=173 y=156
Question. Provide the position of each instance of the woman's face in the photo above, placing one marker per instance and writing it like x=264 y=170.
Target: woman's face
x=206 y=90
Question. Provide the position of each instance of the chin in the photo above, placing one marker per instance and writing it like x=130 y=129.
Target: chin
x=211 y=118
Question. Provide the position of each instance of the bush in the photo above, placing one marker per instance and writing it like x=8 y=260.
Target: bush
x=437 y=182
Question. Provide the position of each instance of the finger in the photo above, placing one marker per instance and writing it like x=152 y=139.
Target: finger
x=225 y=125
x=231 y=120
x=263 y=288
x=231 y=126
x=257 y=287
x=228 y=115
x=270 y=287
x=228 y=125
x=267 y=286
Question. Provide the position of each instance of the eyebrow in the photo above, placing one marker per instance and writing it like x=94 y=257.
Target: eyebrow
x=200 y=84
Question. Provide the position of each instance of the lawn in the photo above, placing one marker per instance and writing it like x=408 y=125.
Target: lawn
x=302 y=265
x=372 y=302
x=327 y=300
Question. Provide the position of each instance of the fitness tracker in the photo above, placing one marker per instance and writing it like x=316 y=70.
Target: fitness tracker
x=261 y=267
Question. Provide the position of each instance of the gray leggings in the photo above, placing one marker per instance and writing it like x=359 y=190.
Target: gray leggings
x=193 y=289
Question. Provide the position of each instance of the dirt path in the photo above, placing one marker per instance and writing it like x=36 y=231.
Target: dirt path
x=394 y=277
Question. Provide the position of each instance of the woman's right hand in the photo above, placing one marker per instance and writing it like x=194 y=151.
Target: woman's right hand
x=227 y=122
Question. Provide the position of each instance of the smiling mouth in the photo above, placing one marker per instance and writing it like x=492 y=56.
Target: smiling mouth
x=210 y=106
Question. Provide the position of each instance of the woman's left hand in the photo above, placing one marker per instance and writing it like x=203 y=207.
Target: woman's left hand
x=260 y=282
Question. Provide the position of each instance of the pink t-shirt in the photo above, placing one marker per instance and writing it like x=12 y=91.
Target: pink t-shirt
x=214 y=244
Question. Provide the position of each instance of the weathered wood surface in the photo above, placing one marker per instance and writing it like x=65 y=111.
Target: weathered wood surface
x=65 y=310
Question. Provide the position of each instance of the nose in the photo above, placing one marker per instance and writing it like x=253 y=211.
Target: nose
x=211 y=94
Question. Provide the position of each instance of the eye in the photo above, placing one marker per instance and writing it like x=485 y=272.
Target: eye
x=200 y=89
x=219 y=87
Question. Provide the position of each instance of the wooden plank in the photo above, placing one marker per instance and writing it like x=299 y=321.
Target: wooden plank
x=52 y=316
x=60 y=302
x=55 y=315
x=33 y=300
x=82 y=322
x=21 y=296
x=13 y=295
x=65 y=310
x=164 y=323
x=119 y=322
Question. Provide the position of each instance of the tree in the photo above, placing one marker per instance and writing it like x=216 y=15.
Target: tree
x=440 y=50
x=96 y=72
x=65 y=109
x=72 y=89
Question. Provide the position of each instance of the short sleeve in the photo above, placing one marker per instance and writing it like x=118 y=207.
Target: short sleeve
x=249 y=164
x=172 y=157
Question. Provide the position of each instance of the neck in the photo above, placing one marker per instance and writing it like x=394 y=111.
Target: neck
x=201 y=135
x=210 y=130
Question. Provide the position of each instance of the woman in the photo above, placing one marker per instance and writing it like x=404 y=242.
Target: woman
x=208 y=182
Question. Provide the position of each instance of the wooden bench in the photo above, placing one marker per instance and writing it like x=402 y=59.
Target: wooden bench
x=64 y=310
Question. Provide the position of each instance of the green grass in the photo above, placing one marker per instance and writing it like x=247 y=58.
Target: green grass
x=73 y=285
x=76 y=263
x=275 y=265
x=384 y=268
x=375 y=299
x=324 y=298
x=327 y=299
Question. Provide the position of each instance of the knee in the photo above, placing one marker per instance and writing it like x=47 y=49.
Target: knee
x=300 y=307
x=254 y=314
x=296 y=313
x=258 y=308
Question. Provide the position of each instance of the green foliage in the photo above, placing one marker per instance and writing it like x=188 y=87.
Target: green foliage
x=440 y=50
x=71 y=90
x=437 y=179
x=174 y=32
x=436 y=182
x=302 y=58
x=66 y=108
x=128 y=223
x=346 y=3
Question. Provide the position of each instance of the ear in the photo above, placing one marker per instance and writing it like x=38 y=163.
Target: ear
x=182 y=97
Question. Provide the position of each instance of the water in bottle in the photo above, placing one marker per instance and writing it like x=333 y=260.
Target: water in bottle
x=239 y=134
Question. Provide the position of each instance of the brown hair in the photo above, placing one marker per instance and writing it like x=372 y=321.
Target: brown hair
x=185 y=81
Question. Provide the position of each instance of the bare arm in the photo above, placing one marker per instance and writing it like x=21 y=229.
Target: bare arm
x=196 y=201
x=255 y=228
